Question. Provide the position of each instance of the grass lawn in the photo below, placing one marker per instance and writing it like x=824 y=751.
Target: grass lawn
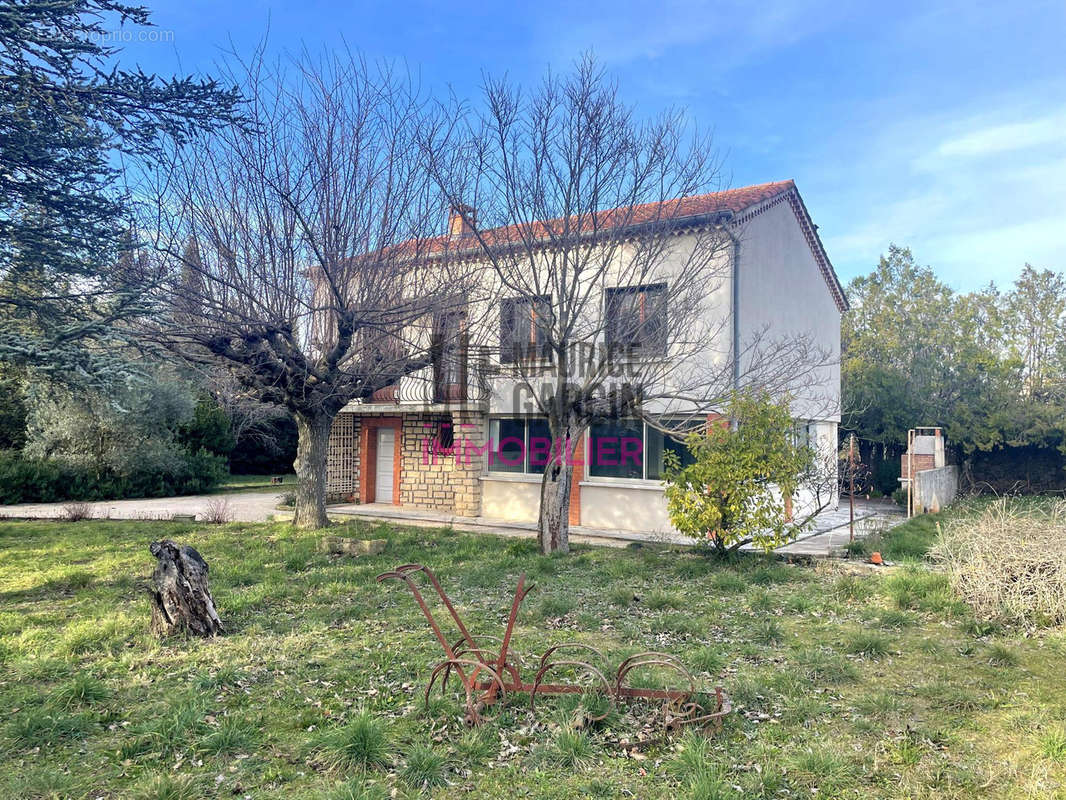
x=849 y=683
x=254 y=483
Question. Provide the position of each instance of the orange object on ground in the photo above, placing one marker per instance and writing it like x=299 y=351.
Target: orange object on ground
x=875 y=558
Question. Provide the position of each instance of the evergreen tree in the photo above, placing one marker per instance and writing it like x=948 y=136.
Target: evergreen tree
x=66 y=111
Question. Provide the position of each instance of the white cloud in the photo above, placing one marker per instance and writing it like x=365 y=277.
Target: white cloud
x=974 y=195
x=995 y=139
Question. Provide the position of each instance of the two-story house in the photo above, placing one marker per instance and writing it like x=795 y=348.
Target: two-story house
x=458 y=438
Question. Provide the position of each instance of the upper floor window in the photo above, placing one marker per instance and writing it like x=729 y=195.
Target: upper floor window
x=449 y=356
x=525 y=324
x=636 y=318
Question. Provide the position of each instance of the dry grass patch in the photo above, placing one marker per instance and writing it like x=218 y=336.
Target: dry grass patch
x=1008 y=562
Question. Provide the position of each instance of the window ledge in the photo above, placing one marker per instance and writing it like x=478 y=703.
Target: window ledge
x=511 y=477
x=625 y=483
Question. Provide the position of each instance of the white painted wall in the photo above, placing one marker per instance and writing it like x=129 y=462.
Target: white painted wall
x=824 y=441
x=512 y=499
x=781 y=287
x=625 y=508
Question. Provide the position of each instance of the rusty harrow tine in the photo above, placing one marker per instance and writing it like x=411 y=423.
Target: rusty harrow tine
x=555 y=648
x=404 y=570
x=650 y=659
x=472 y=710
x=572 y=663
x=402 y=573
x=519 y=596
x=425 y=609
x=681 y=708
x=694 y=714
x=486 y=657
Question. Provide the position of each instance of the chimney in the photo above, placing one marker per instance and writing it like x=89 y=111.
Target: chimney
x=461 y=220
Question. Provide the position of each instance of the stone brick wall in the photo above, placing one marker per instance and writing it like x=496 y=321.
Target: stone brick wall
x=442 y=483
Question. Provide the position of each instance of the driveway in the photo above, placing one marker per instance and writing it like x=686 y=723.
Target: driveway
x=240 y=507
x=828 y=536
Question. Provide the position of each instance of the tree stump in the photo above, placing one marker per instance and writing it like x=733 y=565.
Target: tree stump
x=181 y=598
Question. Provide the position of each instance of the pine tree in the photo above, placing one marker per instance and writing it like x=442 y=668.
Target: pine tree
x=66 y=111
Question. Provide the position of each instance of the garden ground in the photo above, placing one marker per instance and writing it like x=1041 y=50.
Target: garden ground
x=255 y=483
x=848 y=682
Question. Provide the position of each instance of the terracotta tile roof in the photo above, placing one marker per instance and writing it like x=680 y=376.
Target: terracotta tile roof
x=734 y=200
x=747 y=199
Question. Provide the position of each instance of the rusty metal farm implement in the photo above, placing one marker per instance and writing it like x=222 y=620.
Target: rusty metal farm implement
x=489 y=672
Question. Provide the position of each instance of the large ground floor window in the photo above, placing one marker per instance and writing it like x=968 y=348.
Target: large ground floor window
x=631 y=448
x=626 y=448
x=519 y=445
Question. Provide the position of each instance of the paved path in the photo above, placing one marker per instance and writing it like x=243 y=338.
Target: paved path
x=828 y=537
x=832 y=531
x=241 y=507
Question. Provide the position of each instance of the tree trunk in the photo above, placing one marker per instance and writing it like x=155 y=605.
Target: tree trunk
x=554 y=522
x=313 y=433
x=181 y=598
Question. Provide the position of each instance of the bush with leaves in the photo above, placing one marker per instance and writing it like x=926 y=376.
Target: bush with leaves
x=733 y=493
x=24 y=479
x=132 y=441
x=208 y=428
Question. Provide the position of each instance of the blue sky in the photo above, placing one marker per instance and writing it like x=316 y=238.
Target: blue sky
x=942 y=128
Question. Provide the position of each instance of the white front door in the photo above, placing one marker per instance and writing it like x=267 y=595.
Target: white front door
x=383 y=473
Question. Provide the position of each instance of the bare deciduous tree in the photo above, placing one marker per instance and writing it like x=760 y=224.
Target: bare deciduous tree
x=308 y=281
x=611 y=263
x=250 y=419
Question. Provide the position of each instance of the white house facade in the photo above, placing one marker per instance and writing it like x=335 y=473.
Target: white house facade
x=462 y=439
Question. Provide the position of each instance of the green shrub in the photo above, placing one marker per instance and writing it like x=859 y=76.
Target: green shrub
x=571 y=750
x=707 y=659
x=920 y=590
x=999 y=655
x=424 y=767
x=660 y=599
x=38 y=727
x=1053 y=744
x=886 y=476
x=554 y=606
x=209 y=429
x=25 y=479
x=363 y=743
x=869 y=644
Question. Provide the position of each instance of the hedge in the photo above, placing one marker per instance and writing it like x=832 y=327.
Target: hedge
x=41 y=480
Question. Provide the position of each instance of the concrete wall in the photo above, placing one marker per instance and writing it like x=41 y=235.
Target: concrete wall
x=515 y=499
x=782 y=290
x=637 y=507
x=935 y=489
